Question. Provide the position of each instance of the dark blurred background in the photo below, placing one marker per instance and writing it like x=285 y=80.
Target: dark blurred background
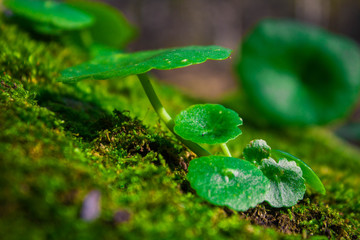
x=171 y=23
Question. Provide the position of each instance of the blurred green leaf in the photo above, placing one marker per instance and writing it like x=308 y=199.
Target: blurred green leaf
x=298 y=74
x=51 y=13
x=110 y=27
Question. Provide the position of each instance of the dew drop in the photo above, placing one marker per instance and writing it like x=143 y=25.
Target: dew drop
x=228 y=174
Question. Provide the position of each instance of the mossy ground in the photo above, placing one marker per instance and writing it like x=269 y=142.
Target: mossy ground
x=59 y=142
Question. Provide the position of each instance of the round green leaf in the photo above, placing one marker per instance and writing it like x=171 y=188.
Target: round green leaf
x=256 y=150
x=208 y=123
x=308 y=174
x=58 y=14
x=123 y=65
x=110 y=27
x=297 y=74
x=287 y=186
x=227 y=181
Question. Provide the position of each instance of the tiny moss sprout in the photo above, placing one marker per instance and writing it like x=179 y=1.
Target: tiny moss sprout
x=239 y=184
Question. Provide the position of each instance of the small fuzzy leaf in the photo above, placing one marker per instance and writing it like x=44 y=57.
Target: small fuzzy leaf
x=208 y=123
x=110 y=27
x=308 y=174
x=256 y=150
x=287 y=186
x=123 y=65
x=227 y=181
x=57 y=14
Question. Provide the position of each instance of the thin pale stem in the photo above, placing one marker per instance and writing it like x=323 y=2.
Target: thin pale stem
x=165 y=117
x=225 y=149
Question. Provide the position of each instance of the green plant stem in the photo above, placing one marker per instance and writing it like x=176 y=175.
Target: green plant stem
x=165 y=117
x=225 y=149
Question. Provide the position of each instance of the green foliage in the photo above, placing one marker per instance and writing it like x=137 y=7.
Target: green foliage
x=308 y=174
x=42 y=176
x=296 y=74
x=227 y=181
x=208 y=123
x=46 y=171
x=50 y=14
x=110 y=27
x=287 y=186
x=42 y=60
x=123 y=65
x=256 y=150
x=94 y=27
x=219 y=182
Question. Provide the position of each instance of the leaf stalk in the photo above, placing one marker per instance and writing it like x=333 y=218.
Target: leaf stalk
x=225 y=149
x=165 y=117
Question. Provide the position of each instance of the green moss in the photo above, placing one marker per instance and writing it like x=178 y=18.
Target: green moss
x=42 y=176
x=62 y=141
x=28 y=60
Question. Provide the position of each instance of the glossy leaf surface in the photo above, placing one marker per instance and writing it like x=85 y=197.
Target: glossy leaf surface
x=110 y=27
x=57 y=14
x=296 y=74
x=208 y=123
x=227 y=181
x=308 y=174
x=287 y=186
x=256 y=150
x=123 y=65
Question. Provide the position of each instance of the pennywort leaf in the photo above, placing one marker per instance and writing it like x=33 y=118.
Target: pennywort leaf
x=208 y=123
x=123 y=65
x=227 y=181
x=287 y=186
x=256 y=150
x=308 y=174
x=292 y=78
x=55 y=14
